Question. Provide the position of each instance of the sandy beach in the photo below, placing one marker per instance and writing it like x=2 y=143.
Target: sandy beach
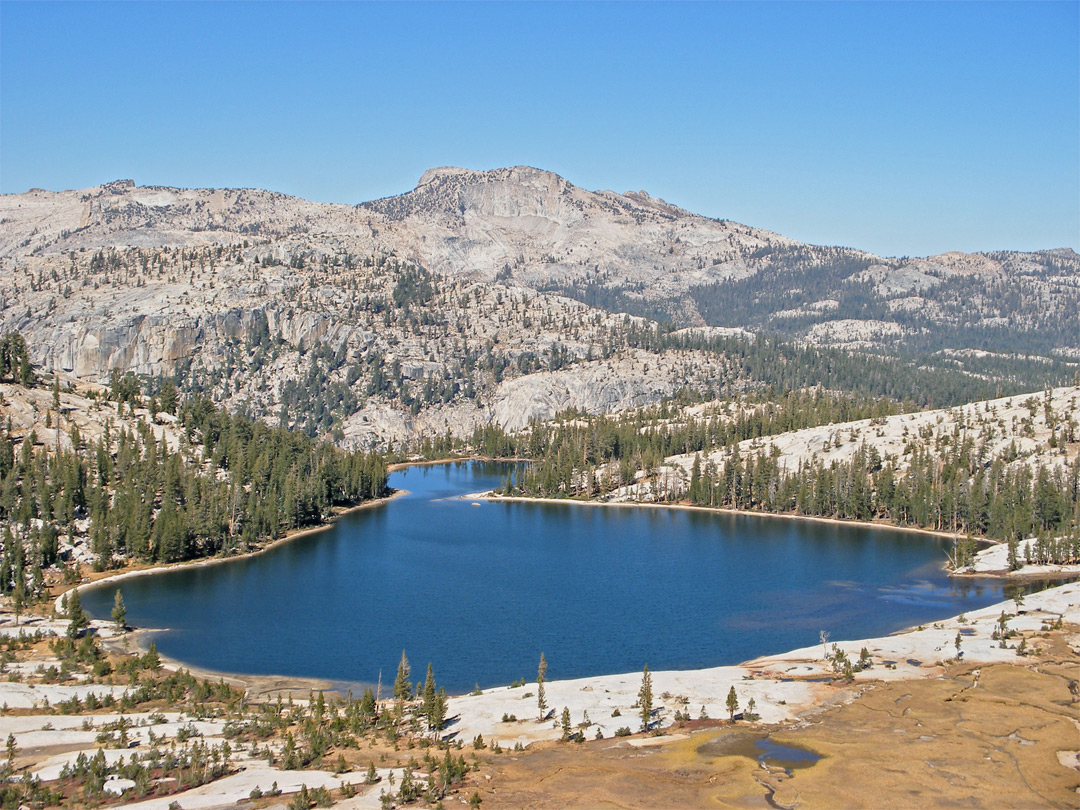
x=870 y=524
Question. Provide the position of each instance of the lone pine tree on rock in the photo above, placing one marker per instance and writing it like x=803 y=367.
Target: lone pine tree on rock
x=541 y=697
x=645 y=698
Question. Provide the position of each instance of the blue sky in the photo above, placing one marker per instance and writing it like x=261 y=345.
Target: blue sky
x=901 y=128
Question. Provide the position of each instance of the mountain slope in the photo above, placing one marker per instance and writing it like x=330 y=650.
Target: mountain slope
x=622 y=252
x=451 y=306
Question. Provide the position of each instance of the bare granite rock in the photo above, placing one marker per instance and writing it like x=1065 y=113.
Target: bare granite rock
x=307 y=312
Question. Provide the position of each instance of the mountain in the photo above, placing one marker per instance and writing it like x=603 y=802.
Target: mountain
x=486 y=296
x=522 y=223
x=622 y=252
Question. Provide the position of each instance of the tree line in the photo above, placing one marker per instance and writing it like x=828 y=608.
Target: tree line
x=642 y=439
x=951 y=486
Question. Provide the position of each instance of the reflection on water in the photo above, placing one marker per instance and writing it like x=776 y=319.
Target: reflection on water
x=481 y=591
x=786 y=756
x=760 y=747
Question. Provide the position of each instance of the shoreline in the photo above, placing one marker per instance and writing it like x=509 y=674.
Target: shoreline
x=397 y=466
x=985 y=542
x=207 y=561
x=799 y=700
x=255 y=686
x=724 y=510
x=788 y=687
x=282 y=683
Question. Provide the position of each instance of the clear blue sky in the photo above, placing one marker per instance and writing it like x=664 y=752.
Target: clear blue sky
x=901 y=128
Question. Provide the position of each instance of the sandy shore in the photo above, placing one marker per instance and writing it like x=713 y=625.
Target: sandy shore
x=401 y=465
x=398 y=466
x=256 y=687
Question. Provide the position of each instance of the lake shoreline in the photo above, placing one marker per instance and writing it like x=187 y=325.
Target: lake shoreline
x=256 y=687
x=283 y=683
x=1061 y=572
x=805 y=671
x=288 y=537
x=787 y=687
x=722 y=510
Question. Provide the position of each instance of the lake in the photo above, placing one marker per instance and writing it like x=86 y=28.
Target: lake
x=481 y=590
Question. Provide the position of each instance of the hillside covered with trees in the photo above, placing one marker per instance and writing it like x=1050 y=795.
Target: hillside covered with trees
x=115 y=476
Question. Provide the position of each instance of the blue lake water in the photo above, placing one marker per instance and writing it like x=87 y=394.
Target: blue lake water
x=480 y=591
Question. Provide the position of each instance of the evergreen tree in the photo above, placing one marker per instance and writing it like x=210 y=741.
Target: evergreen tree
x=732 y=703
x=438 y=714
x=119 y=612
x=403 y=689
x=645 y=698
x=429 y=697
x=541 y=697
x=18 y=598
x=78 y=620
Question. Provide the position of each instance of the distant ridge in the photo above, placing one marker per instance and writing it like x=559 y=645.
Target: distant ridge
x=626 y=252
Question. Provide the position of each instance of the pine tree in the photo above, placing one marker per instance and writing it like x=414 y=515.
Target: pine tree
x=645 y=698
x=402 y=685
x=695 y=480
x=151 y=660
x=429 y=697
x=565 y=723
x=407 y=791
x=119 y=612
x=732 y=703
x=18 y=598
x=79 y=621
x=541 y=697
x=438 y=715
